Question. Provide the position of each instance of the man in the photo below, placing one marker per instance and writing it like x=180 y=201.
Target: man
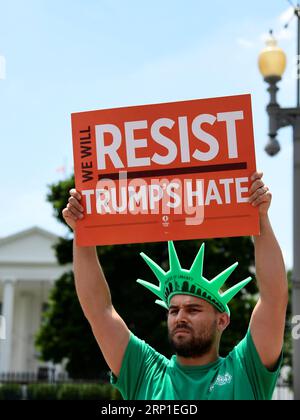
x=195 y=323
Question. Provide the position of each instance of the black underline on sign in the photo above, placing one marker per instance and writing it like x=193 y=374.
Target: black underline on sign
x=122 y=224
x=177 y=171
x=157 y=221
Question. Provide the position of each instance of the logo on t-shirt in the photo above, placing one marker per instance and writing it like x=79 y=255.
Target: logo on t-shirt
x=221 y=380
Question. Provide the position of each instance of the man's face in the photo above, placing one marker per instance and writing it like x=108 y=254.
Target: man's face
x=192 y=326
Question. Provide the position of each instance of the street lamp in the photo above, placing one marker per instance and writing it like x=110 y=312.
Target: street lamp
x=272 y=62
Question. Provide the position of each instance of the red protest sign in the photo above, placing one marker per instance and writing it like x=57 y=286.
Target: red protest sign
x=175 y=171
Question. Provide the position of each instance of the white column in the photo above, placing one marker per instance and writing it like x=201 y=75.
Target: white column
x=8 y=311
x=22 y=332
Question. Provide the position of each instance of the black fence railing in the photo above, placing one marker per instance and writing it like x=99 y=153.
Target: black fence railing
x=50 y=377
x=25 y=378
x=281 y=392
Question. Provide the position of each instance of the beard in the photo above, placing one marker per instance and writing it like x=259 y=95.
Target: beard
x=193 y=344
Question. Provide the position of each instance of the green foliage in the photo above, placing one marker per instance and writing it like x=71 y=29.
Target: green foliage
x=65 y=333
x=288 y=345
x=10 y=392
x=115 y=394
x=58 y=196
x=69 y=392
x=95 y=392
x=80 y=391
x=90 y=392
x=42 y=392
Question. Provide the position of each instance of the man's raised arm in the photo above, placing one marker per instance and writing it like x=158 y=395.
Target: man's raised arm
x=94 y=296
x=268 y=318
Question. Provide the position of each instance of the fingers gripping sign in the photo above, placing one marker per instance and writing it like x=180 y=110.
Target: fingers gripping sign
x=259 y=194
x=74 y=210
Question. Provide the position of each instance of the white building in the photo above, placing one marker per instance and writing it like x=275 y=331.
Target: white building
x=28 y=269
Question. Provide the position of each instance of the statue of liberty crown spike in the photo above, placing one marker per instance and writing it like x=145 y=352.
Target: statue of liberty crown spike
x=179 y=281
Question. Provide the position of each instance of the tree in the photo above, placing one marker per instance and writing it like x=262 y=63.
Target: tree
x=288 y=345
x=65 y=331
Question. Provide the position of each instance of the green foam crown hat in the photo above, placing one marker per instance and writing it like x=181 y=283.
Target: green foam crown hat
x=179 y=281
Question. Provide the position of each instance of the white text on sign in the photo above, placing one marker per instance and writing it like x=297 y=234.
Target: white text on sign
x=132 y=143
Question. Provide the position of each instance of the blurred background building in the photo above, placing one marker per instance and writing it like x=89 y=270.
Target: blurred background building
x=28 y=269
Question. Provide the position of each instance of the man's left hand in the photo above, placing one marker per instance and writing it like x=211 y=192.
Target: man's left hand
x=259 y=194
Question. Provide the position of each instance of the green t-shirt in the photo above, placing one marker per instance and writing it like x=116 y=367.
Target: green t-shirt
x=148 y=375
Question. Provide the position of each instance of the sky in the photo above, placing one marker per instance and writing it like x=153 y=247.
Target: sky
x=59 y=57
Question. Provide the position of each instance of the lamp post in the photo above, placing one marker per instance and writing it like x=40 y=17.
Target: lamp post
x=272 y=64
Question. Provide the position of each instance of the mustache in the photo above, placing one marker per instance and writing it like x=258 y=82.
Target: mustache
x=181 y=327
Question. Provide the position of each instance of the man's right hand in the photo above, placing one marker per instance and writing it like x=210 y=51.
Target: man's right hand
x=74 y=210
